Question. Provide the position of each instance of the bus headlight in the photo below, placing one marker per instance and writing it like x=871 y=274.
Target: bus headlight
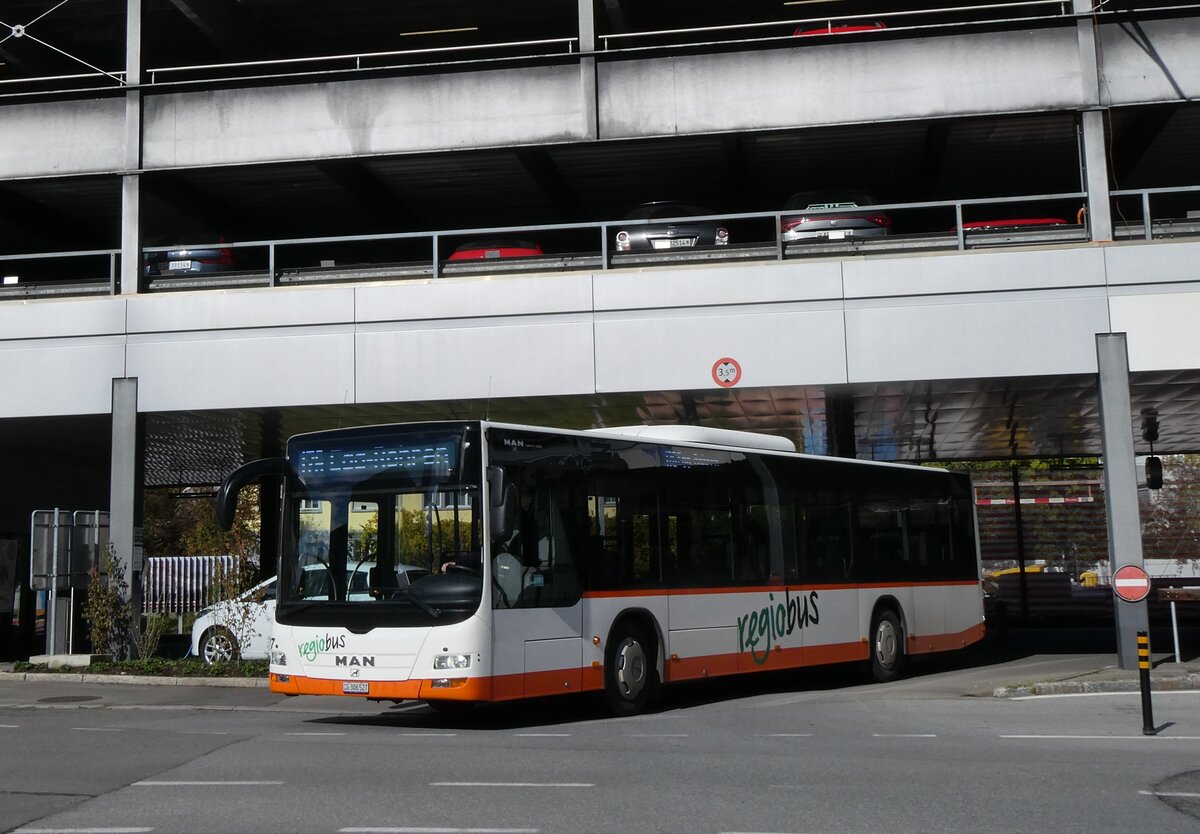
x=452 y=661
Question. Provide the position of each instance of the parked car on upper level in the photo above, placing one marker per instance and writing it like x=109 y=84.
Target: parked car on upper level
x=1012 y=223
x=500 y=248
x=189 y=261
x=676 y=232
x=834 y=216
x=842 y=29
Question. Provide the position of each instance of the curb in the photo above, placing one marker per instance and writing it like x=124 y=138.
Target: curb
x=1185 y=683
x=134 y=680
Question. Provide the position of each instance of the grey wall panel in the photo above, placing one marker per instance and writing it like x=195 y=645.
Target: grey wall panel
x=244 y=370
x=868 y=80
x=1152 y=263
x=60 y=376
x=206 y=310
x=1152 y=60
x=42 y=319
x=449 y=298
x=718 y=285
x=1161 y=328
x=974 y=272
x=383 y=115
x=1005 y=334
x=669 y=350
x=475 y=359
x=62 y=137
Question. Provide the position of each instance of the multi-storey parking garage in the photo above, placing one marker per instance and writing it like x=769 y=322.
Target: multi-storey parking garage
x=1035 y=165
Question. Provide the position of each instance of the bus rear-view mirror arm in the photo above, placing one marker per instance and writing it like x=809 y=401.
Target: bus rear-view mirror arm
x=231 y=487
x=503 y=504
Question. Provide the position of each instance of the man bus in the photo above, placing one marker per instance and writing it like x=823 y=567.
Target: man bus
x=617 y=560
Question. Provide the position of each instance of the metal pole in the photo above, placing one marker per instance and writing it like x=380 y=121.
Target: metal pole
x=52 y=596
x=1143 y=650
x=1020 y=532
x=1175 y=632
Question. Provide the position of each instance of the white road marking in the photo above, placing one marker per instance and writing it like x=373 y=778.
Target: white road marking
x=203 y=733
x=9 y=726
x=173 y=783
x=438 y=735
x=438 y=830
x=904 y=735
x=784 y=735
x=98 y=729
x=511 y=785
x=82 y=830
x=1123 y=738
x=656 y=735
x=543 y=735
x=1168 y=793
x=314 y=734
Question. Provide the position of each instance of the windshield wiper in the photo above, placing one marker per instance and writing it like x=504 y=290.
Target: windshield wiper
x=408 y=594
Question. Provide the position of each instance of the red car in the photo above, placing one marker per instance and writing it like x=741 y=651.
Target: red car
x=1012 y=223
x=842 y=30
x=477 y=250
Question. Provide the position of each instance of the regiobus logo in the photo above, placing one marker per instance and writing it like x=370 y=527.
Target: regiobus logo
x=328 y=642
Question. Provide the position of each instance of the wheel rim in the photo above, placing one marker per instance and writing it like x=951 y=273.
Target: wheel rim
x=887 y=644
x=217 y=647
x=630 y=668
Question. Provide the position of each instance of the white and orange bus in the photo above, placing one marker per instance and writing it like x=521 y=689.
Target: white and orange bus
x=551 y=561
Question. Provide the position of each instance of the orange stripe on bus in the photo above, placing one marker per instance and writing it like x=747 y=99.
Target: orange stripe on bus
x=925 y=643
x=591 y=678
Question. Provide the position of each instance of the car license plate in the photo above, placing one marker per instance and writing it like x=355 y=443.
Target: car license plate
x=177 y=265
x=355 y=687
x=837 y=234
x=673 y=243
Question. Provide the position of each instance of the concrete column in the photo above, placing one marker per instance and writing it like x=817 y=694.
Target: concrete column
x=1093 y=148
x=1095 y=171
x=1120 y=484
x=587 y=69
x=131 y=188
x=125 y=486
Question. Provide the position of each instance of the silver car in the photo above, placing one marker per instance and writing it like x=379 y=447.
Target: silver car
x=679 y=234
x=832 y=215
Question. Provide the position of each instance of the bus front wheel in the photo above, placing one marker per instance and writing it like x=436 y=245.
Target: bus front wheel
x=887 y=646
x=629 y=669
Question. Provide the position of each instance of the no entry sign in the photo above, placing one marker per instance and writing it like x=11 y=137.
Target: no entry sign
x=1131 y=583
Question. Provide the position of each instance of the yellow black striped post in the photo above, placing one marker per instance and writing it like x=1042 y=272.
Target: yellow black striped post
x=1143 y=650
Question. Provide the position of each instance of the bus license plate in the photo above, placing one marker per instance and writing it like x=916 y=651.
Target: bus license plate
x=355 y=687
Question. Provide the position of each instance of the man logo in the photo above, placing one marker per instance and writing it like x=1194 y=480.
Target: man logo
x=354 y=660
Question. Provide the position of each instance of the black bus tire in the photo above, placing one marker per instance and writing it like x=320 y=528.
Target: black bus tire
x=887 y=646
x=630 y=674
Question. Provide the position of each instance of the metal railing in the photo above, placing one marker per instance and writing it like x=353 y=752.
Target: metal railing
x=272 y=267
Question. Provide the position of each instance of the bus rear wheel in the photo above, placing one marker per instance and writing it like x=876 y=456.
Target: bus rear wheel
x=887 y=646
x=629 y=670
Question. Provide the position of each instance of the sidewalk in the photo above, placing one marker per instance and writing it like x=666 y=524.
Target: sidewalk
x=1165 y=676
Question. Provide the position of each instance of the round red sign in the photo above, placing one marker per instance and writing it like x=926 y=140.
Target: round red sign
x=726 y=372
x=1131 y=583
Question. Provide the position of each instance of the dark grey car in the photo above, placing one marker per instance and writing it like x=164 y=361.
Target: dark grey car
x=677 y=232
x=189 y=261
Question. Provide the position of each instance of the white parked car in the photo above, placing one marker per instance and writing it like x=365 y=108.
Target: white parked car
x=221 y=629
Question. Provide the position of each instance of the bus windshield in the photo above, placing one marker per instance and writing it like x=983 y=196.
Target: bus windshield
x=382 y=531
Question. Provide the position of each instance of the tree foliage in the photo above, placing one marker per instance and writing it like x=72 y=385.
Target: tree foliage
x=184 y=523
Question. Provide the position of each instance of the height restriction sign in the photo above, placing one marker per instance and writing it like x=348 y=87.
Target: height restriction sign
x=1131 y=583
x=726 y=372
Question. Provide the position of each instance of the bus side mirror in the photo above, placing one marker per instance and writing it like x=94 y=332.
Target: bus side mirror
x=231 y=487
x=503 y=504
